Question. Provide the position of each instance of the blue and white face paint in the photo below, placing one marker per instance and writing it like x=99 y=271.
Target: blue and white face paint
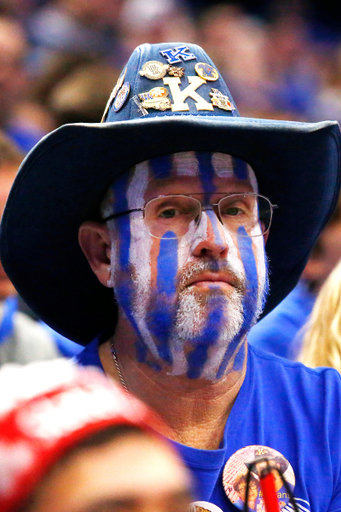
x=185 y=322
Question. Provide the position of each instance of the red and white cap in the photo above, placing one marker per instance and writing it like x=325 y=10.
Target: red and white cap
x=47 y=407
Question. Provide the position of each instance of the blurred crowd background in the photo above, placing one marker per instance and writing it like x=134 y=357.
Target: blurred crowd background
x=59 y=59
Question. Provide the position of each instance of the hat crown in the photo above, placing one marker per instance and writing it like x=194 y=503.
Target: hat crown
x=169 y=79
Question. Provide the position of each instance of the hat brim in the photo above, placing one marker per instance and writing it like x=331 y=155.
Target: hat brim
x=64 y=178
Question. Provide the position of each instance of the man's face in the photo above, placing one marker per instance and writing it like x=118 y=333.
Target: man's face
x=190 y=299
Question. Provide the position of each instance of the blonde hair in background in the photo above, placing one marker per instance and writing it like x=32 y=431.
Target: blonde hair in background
x=322 y=338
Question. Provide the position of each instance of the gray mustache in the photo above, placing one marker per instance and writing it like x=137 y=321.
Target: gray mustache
x=194 y=269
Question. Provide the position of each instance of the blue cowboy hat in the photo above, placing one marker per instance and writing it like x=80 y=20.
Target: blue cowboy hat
x=169 y=98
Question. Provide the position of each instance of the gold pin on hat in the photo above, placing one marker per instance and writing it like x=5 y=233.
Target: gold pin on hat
x=156 y=98
x=154 y=70
x=220 y=100
x=206 y=71
x=176 y=71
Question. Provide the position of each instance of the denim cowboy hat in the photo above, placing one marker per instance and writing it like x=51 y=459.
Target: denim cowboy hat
x=169 y=98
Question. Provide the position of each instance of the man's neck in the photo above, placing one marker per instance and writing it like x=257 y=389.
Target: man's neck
x=194 y=410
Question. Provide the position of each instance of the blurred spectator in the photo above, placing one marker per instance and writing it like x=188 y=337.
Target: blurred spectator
x=154 y=21
x=239 y=45
x=22 y=339
x=25 y=121
x=322 y=336
x=75 y=88
x=82 y=27
x=268 y=64
x=13 y=80
x=293 y=312
x=71 y=440
x=293 y=66
x=82 y=95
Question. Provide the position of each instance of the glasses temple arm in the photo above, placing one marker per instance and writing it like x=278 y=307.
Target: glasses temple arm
x=114 y=215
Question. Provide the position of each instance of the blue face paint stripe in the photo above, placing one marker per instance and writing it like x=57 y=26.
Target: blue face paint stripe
x=240 y=169
x=239 y=359
x=161 y=167
x=124 y=294
x=167 y=264
x=196 y=361
x=244 y=242
x=119 y=189
x=197 y=358
x=206 y=173
x=161 y=319
x=228 y=355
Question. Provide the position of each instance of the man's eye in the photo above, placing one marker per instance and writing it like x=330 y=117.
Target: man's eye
x=233 y=211
x=169 y=213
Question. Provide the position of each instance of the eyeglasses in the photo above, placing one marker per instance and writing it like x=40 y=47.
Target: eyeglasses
x=170 y=216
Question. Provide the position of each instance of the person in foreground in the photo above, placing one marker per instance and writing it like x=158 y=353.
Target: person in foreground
x=158 y=237
x=72 y=441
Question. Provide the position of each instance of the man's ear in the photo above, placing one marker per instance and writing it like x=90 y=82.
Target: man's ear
x=94 y=240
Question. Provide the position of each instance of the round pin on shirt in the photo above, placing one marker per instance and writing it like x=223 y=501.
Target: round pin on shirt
x=236 y=471
x=203 y=506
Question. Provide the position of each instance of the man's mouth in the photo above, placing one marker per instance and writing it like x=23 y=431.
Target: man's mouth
x=212 y=279
x=208 y=275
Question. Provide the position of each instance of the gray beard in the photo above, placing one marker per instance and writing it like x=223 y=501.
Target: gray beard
x=192 y=314
x=191 y=321
x=190 y=324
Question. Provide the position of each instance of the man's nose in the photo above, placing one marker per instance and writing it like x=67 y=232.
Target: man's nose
x=210 y=237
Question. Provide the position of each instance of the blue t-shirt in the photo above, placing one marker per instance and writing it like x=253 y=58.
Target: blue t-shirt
x=280 y=332
x=287 y=407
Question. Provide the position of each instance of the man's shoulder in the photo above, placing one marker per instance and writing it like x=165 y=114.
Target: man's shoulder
x=293 y=376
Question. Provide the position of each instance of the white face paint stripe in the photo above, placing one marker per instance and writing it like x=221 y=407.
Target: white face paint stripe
x=106 y=208
x=223 y=165
x=260 y=255
x=186 y=164
x=138 y=185
x=252 y=179
x=139 y=252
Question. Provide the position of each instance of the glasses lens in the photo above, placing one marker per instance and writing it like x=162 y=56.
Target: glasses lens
x=249 y=211
x=171 y=216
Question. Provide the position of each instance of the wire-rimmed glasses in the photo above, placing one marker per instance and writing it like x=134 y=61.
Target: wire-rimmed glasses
x=171 y=216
